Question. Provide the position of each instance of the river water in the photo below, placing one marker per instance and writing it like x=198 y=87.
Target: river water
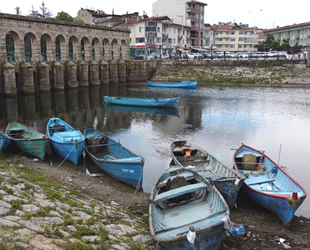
x=218 y=119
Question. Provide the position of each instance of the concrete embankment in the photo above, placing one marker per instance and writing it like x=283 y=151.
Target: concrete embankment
x=292 y=72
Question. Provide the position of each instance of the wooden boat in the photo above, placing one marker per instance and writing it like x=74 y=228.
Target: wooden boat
x=66 y=141
x=4 y=141
x=113 y=158
x=27 y=139
x=149 y=110
x=182 y=84
x=144 y=102
x=227 y=180
x=182 y=198
x=268 y=184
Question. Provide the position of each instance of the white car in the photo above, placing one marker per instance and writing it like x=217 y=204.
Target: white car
x=195 y=56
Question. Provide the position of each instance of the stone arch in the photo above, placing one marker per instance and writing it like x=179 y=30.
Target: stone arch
x=95 y=48
x=114 y=50
x=45 y=47
x=29 y=43
x=85 y=48
x=11 y=42
x=59 y=47
x=73 y=48
x=105 y=49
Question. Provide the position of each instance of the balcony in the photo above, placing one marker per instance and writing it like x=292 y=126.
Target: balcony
x=165 y=35
x=151 y=34
x=180 y=36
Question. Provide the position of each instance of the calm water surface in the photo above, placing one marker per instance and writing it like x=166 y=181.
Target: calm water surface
x=216 y=118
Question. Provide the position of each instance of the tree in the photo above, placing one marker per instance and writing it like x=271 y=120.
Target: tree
x=275 y=44
x=43 y=13
x=64 y=16
x=17 y=9
x=33 y=12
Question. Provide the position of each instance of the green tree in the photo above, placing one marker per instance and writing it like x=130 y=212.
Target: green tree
x=275 y=44
x=64 y=16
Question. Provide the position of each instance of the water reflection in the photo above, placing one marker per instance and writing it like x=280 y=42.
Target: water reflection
x=217 y=119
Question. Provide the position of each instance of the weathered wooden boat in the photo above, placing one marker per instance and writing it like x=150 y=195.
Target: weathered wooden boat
x=27 y=139
x=268 y=184
x=66 y=141
x=182 y=84
x=180 y=199
x=113 y=158
x=4 y=141
x=144 y=102
x=226 y=179
x=149 y=110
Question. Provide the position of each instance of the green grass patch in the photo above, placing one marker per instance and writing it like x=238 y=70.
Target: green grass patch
x=17 y=204
x=29 y=186
x=78 y=246
x=91 y=220
x=71 y=203
x=1 y=180
x=54 y=195
x=84 y=231
x=68 y=219
x=7 y=189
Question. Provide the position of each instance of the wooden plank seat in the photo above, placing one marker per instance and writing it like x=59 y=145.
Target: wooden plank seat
x=180 y=191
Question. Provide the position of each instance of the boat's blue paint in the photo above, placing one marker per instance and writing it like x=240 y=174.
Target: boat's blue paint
x=66 y=141
x=143 y=102
x=271 y=188
x=4 y=141
x=150 y=110
x=197 y=203
x=113 y=158
x=227 y=180
x=182 y=84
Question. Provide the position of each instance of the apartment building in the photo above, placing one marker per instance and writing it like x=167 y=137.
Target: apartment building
x=184 y=12
x=232 y=37
x=156 y=35
x=296 y=34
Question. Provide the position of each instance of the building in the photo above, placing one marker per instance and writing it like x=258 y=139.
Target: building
x=157 y=35
x=184 y=12
x=233 y=37
x=208 y=36
x=296 y=34
x=99 y=17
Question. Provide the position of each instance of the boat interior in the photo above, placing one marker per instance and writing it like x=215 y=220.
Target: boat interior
x=183 y=200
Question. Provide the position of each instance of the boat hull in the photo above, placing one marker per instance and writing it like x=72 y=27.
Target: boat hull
x=69 y=151
x=114 y=159
x=4 y=141
x=28 y=139
x=268 y=184
x=66 y=141
x=182 y=84
x=176 y=204
x=142 y=102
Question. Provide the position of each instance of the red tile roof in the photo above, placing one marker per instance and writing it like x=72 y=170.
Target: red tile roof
x=231 y=27
x=289 y=27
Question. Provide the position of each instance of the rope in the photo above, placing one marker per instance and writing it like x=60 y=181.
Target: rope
x=134 y=192
x=63 y=160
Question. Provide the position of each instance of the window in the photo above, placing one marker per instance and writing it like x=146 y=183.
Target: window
x=10 y=48
x=93 y=51
x=43 y=49
x=169 y=40
x=70 y=50
x=28 y=49
x=158 y=29
x=103 y=51
x=158 y=40
x=82 y=50
x=140 y=40
x=58 y=49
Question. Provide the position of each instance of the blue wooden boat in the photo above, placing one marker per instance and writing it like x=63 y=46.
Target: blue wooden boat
x=226 y=179
x=180 y=199
x=149 y=110
x=27 y=139
x=144 y=102
x=113 y=158
x=182 y=84
x=4 y=141
x=268 y=184
x=66 y=141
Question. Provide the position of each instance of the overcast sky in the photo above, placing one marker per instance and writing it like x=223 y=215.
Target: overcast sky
x=274 y=13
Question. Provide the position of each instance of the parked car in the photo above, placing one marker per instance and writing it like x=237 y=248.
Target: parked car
x=165 y=56
x=194 y=56
x=206 y=55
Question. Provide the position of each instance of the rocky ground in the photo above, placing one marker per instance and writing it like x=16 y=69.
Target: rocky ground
x=49 y=205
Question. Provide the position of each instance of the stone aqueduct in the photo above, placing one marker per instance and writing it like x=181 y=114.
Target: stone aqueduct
x=40 y=55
